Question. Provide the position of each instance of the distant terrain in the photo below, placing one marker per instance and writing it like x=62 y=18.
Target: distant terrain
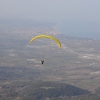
x=76 y=66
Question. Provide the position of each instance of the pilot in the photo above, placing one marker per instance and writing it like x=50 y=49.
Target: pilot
x=42 y=61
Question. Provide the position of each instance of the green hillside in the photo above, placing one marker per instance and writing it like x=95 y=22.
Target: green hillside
x=52 y=90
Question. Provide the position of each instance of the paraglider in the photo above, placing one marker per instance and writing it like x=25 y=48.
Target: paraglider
x=42 y=61
x=49 y=37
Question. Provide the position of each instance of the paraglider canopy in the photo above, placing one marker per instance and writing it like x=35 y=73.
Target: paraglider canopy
x=46 y=36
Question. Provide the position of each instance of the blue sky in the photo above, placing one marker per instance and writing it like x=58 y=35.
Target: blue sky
x=78 y=12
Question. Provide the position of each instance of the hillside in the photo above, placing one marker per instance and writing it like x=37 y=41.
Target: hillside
x=52 y=90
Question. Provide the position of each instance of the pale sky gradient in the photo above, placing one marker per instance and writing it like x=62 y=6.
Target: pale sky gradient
x=71 y=11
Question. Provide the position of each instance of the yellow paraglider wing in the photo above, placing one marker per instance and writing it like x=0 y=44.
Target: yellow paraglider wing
x=46 y=36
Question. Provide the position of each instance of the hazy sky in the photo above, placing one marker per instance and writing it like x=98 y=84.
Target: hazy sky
x=80 y=12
